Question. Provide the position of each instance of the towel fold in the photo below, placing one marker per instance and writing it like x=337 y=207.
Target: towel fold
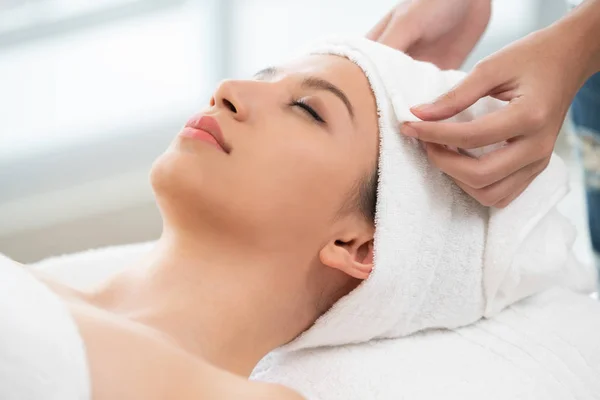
x=543 y=348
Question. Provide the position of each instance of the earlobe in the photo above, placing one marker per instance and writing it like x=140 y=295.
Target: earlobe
x=353 y=257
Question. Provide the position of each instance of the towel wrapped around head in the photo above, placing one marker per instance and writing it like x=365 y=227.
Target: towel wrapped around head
x=441 y=259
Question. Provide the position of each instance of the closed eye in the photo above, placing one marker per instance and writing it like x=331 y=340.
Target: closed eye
x=308 y=109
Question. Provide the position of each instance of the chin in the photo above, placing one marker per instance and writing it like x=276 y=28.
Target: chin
x=188 y=190
x=183 y=165
x=178 y=177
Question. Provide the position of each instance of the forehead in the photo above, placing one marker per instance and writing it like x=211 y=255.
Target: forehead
x=344 y=74
x=329 y=66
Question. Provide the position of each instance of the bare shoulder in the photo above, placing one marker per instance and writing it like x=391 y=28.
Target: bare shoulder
x=131 y=361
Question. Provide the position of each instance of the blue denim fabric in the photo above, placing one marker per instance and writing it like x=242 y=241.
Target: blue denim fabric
x=586 y=117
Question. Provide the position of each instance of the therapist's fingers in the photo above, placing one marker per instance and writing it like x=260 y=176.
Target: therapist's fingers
x=480 y=82
x=509 y=199
x=375 y=32
x=486 y=170
x=501 y=193
x=506 y=123
x=401 y=30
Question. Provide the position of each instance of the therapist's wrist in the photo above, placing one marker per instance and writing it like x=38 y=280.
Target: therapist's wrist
x=581 y=29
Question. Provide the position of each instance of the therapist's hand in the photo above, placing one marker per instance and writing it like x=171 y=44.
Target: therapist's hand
x=539 y=75
x=439 y=31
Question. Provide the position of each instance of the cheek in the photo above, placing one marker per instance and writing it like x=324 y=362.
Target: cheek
x=299 y=182
x=289 y=185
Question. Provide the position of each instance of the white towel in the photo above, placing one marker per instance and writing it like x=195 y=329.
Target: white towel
x=441 y=259
x=42 y=355
x=444 y=261
x=545 y=347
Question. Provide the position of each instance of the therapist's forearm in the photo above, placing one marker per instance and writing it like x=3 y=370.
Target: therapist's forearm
x=582 y=27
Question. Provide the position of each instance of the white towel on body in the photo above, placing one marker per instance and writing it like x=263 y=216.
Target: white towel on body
x=42 y=355
x=441 y=259
x=545 y=347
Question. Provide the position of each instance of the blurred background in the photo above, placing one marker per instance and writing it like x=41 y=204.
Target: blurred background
x=91 y=92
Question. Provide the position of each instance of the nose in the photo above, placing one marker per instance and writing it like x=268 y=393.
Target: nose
x=230 y=96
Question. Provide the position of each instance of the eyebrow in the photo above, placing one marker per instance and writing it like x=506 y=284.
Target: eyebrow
x=266 y=73
x=311 y=82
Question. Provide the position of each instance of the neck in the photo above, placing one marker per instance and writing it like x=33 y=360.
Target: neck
x=226 y=305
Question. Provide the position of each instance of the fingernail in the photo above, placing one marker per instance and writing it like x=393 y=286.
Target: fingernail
x=422 y=108
x=408 y=130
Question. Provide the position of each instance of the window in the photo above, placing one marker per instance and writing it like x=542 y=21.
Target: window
x=98 y=99
x=23 y=19
x=101 y=78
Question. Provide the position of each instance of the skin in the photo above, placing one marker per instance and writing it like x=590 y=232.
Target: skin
x=442 y=32
x=538 y=75
x=253 y=249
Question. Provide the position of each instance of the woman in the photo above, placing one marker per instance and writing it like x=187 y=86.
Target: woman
x=268 y=201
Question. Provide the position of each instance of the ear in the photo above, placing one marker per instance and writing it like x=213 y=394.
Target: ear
x=351 y=253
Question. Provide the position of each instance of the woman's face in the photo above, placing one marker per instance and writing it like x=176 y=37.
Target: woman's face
x=299 y=140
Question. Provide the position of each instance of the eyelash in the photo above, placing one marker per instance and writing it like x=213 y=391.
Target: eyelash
x=311 y=111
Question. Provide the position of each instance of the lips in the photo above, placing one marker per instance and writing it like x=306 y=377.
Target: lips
x=205 y=128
